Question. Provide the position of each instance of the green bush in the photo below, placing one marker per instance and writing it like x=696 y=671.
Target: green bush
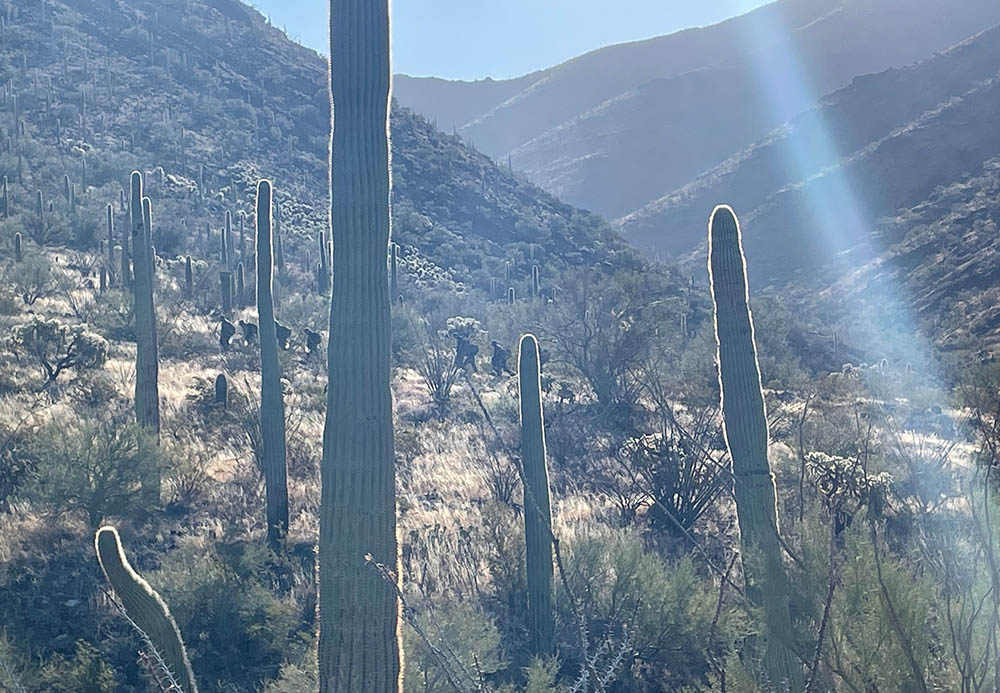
x=467 y=637
x=237 y=629
x=92 y=468
x=85 y=672
x=668 y=609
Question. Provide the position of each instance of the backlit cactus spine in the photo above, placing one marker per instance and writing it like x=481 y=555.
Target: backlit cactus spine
x=537 y=509
x=147 y=366
x=745 y=427
x=359 y=641
x=145 y=609
x=272 y=404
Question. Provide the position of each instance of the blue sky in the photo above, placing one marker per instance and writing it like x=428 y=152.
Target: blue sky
x=471 y=39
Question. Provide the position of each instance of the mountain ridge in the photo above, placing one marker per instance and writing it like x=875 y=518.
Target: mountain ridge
x=547 y=132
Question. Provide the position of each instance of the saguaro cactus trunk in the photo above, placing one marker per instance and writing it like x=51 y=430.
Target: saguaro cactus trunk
x=359 y=643
x=272 y=403
x=537 y=511
x=147 y=397
x=745 y=427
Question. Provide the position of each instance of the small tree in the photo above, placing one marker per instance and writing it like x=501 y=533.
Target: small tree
x=91 y=467
x=58 y=348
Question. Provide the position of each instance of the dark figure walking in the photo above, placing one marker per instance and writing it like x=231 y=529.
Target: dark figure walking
x=499 y=360
x=313 y=340
x=228 y=330
x=249 y=332
x=283 y=334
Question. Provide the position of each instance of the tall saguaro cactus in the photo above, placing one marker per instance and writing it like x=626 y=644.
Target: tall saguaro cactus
x=359 y=643
x=272 y=404
x=147 y=396
x=537 y=509
x=144 y=607
x=745 y=427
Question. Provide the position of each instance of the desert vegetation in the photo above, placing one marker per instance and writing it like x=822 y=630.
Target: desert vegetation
x=445 y=435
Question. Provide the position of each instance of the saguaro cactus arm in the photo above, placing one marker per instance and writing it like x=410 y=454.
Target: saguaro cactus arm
x=144 y=607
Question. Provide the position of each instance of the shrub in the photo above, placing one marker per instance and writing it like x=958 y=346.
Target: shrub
x=468 y=637
x=91 y=467
x=58 y=348
x=85 y=672
x=237 y=630
x=667 y=608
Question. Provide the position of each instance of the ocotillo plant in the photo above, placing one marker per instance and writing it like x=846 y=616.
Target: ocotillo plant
x=537 y=512
x=147 y=612
x=272 y=405
x=745 y=428
x=359 y=643
x=147 y=366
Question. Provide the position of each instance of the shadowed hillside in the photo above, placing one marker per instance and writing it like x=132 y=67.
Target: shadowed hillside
x=234 y=99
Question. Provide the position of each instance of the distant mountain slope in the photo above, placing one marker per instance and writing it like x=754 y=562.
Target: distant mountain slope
x=453 y=103
x=882 y=143
x=943 y=259
x=234 y=99
x=593 y=130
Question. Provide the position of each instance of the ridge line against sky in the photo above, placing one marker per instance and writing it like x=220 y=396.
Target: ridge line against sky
x=474 y=39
